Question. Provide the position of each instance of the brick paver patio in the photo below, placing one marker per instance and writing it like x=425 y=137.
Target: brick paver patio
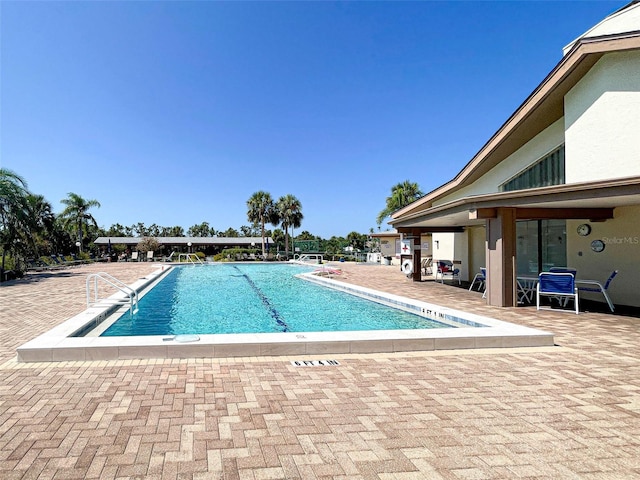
x=570 y=411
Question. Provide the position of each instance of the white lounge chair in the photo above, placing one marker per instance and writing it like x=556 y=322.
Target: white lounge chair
x=480 y=279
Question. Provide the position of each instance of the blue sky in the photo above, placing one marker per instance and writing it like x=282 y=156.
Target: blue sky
x=174 y=113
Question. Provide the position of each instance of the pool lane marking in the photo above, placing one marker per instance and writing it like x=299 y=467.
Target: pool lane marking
x=265 y=301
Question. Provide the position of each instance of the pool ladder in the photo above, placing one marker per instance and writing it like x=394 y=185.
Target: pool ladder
x=132 y=294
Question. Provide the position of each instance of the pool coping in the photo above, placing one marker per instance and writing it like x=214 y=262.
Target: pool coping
x=58 y=345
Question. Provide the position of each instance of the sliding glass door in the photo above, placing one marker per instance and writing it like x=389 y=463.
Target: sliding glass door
x=540 y=245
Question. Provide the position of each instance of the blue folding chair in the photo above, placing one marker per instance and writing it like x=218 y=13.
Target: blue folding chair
x=557 y=285
x=572 y=271
x=595 y=286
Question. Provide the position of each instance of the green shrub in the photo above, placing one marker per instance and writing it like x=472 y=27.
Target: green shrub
x=9 y=263
x=233 y=254
x=47 y=260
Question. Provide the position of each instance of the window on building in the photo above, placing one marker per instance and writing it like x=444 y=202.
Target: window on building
x=547 y=171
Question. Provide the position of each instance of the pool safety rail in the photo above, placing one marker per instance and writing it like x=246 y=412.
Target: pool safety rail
x=309 y=258
x=131 y=294
x=190 y=257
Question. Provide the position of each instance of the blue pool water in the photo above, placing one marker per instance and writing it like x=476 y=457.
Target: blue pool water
x=254 y=298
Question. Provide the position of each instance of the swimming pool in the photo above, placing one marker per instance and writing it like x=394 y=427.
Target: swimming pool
x=77 y=338
x=256 y=298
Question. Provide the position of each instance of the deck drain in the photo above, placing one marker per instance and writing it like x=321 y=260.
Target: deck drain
x=315 y=363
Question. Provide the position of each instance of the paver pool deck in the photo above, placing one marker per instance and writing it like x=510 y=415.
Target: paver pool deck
x=569 y=411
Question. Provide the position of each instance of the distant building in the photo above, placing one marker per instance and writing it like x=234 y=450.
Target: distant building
x=182 y=244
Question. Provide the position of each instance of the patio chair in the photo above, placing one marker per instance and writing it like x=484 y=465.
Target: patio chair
x=69 y=263
x=570 y=270
x=36 y=266
x=57 y=262
x=557 y=285
x=150 y=256
x=134 y=256
x=446 y=268
x=595 y=286
x=427 y=266
x=77 y=260
x=480 y=278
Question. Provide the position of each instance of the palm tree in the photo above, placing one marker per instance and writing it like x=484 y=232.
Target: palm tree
x=261 y=210
x=290 y=212
x=402 y=194
x=13 y=192
x=76 y=214
x=13 y=210
x=41 y=223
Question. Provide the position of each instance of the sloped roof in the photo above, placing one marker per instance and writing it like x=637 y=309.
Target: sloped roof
x=625 y=20
x=544 y=106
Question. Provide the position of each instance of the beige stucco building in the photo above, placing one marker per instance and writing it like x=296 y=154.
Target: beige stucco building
x=559 y=183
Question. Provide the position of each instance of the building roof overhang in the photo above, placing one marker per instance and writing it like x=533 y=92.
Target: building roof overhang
x=542 y=108
x=586 y=200
x=384 y=234
x=184 y=241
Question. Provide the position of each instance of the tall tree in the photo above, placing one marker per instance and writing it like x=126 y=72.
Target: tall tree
x=230 y=233
x=202 y=230
x=176 y=231
x=278 y=237
x=305 y=235
x=402 y=194
x=116 y=230
x=41 y=223
x=76 y=215
x=290 y=213
x=139 y=229
x=13 y=210
x=357 y=240
x=261 y=210
x=153 y=230
x=248 y=231
x=335 y=245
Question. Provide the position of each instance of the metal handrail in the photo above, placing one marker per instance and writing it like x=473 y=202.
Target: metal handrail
x=306 y=257
x=190 y=257
x=114 y=282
